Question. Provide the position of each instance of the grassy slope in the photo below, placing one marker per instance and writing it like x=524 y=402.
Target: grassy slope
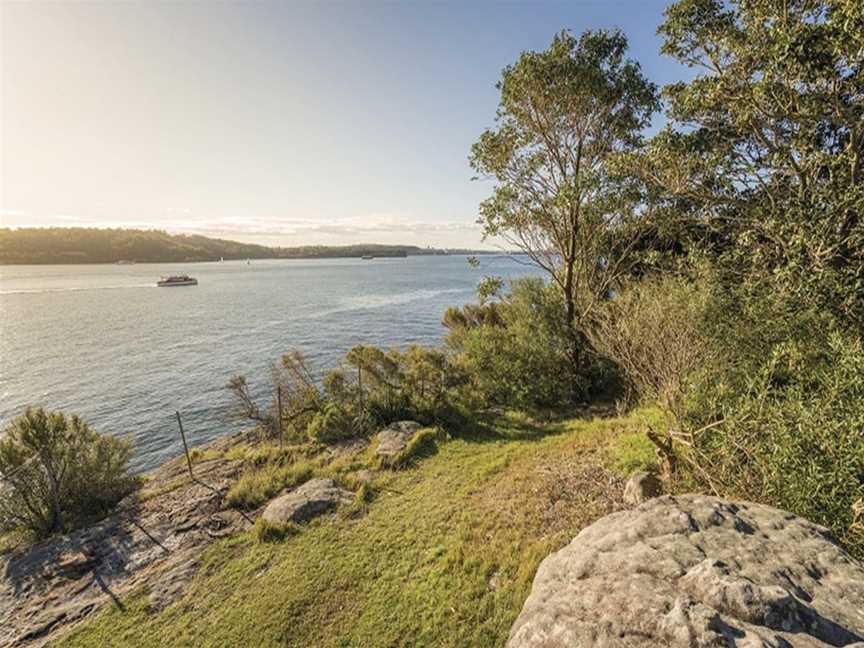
x=443 y=556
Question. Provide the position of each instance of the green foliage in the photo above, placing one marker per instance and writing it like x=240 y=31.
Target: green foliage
x=517 y=352
x=562 y=112
x=757 y=179
x=416 y=384
x=57 y=473
x=335 y=422
x=782 y=423
x=765 y=145
x=654 y=330
x=371 y=388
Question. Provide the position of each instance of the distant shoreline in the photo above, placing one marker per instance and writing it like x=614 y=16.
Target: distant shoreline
x=93 y=246
x=462 y=253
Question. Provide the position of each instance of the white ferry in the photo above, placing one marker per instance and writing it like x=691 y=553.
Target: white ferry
x=178 y=280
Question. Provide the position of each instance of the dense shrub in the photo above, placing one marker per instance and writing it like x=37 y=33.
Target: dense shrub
x=368 y=390
x=58 y=473
x=336 y=422
x=794 y=437
x=518 y=352
x=765 y=396
x=654 y=331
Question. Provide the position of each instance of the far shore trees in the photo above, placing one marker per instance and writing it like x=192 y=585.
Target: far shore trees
x=562 y=113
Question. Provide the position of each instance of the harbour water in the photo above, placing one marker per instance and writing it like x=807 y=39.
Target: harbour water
x=104 y=342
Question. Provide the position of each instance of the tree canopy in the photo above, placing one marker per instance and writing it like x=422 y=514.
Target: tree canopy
x=765 y=145
x=562 y=112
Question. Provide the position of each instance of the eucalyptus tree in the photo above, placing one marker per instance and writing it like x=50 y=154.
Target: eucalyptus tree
x=562 y=113
x=765 y=146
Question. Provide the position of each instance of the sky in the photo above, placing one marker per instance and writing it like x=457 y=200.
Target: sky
x=277 y=123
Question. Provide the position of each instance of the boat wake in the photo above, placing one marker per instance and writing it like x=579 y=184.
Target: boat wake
x=382 y=300
x=38 y=291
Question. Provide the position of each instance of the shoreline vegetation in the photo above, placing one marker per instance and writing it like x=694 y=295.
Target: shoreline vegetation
x=79 y=245
x=408 y=496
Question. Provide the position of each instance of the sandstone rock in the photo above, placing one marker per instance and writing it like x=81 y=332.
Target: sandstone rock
x=153 y=542
x=640 y=487
x=395 y=437
x=313 y=498
x=695 y=571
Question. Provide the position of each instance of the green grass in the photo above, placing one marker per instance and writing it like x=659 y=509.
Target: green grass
x=440 y=553
x=257 y=486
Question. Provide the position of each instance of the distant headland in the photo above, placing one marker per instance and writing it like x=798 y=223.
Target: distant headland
x=69 y=245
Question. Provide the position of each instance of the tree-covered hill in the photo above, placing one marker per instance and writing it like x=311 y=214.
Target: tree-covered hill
x=92 y=245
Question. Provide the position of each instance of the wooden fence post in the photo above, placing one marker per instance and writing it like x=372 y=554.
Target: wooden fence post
x=279 y=414
x=185 y=447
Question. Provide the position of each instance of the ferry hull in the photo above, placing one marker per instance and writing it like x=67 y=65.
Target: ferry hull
x=171 y=284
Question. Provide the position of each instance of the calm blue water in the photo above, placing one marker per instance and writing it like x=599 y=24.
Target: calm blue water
x=102 y=341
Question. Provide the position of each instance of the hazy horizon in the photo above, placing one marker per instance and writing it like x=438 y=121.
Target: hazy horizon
x=268 y=123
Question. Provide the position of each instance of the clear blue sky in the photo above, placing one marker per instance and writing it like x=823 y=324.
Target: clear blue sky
x=271 y=122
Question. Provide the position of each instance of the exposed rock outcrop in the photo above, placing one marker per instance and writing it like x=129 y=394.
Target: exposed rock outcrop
x=313 y=498
x=640 y=487
x=156 y=542
x=695 y=571
x=393 y=439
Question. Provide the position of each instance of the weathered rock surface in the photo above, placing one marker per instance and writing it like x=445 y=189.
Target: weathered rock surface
x=313 y=498
x=395 y=437
x=695 y=571
x=46 y=589
x=640 y=487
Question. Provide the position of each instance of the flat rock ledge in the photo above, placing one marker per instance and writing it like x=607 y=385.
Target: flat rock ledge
x=153 y=543
x=313 y=498
x=696 y=571
x=395 y=438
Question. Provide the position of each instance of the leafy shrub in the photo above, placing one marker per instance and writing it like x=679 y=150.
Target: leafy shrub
x=334 y=423
x=416 y=384
x=58 y=473
x=654 y=330
x=518 y=352
x=794 y=438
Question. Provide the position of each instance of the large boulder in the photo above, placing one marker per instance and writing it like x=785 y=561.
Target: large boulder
x=313 y=498
x=695 y=571
x=393 y=439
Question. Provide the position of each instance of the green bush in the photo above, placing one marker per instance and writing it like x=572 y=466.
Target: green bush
x=58 y=473
x=794 y=438
x=335 y=422
x=654 y=330
x=519 y=352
